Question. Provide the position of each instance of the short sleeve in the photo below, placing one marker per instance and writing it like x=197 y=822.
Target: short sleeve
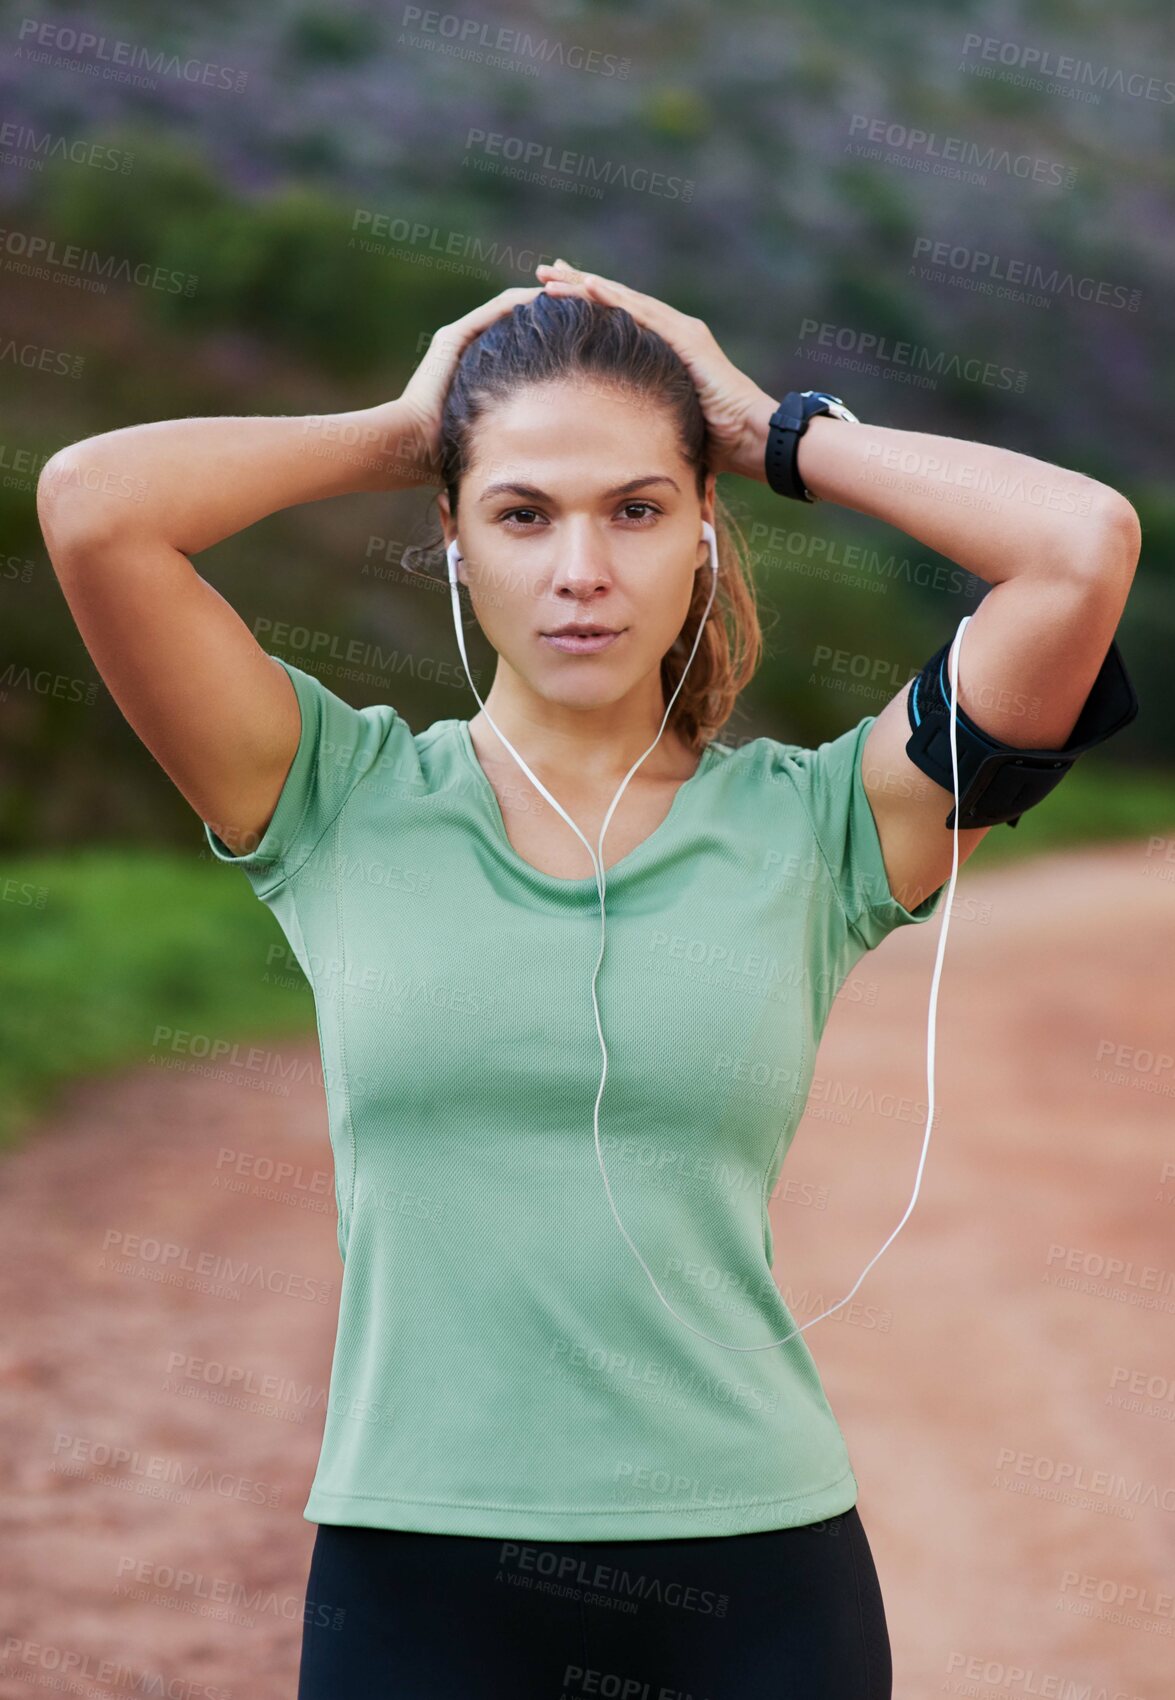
x=336 y=746
x=832 y=784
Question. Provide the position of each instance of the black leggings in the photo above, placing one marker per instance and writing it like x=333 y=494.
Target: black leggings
x=786 y=1614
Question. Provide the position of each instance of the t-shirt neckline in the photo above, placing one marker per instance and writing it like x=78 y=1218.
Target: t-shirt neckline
x=556 y=881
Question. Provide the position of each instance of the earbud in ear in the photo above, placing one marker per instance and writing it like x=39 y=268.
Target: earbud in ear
x=453 y=555
x=710 y=537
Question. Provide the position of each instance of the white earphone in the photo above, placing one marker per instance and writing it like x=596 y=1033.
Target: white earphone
x=453 y=555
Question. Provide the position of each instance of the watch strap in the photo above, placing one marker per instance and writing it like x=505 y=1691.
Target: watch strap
x=784 y=430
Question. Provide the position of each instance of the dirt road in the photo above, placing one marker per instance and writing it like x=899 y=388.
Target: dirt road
x=1007 y=1389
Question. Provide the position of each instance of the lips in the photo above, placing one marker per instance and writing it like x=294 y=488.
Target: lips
x=581 y=640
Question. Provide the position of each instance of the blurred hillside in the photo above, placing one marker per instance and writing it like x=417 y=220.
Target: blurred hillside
x=326 y=188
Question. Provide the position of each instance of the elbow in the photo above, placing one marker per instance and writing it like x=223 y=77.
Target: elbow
x=78 y=504
x=60 y=481
x=1100 y=550
x=57 y=485
x=1116 y=535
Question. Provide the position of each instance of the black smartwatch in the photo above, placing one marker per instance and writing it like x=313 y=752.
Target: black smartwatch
x=787 y=425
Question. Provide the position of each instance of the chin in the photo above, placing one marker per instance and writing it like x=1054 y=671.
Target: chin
x=586 y=694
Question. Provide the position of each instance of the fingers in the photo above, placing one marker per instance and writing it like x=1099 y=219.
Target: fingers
x=560 y=274
x=479 y=317
x=645 y=308
x=425 y=389
x=497 y=304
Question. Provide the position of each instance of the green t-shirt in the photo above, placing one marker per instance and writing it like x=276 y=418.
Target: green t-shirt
x=503 y=1365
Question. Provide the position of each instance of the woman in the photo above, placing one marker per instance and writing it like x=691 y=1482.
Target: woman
x=539 y=1477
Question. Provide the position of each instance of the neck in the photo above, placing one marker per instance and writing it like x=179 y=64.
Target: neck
x=591 y=746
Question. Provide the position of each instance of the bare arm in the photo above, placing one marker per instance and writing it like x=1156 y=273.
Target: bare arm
x=1060 y=551
x=122 y=512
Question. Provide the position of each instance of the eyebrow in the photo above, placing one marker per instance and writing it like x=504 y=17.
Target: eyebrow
x=533 y=493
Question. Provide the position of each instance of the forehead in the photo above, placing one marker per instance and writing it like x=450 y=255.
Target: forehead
x=574 y=431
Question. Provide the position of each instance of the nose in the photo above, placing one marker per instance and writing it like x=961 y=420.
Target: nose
x=581 y=568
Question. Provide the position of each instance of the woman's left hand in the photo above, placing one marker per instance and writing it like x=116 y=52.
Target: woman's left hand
x=737 y=411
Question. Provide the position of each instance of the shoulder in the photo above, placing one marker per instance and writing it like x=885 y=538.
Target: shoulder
x=369 y=749
x=800 y=767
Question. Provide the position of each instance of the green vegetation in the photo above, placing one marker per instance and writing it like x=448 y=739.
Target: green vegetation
x=105 y=954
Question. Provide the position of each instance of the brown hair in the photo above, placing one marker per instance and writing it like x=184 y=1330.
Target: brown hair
x=568 y=338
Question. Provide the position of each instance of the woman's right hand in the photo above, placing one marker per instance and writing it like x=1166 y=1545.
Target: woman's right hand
x=424 y=395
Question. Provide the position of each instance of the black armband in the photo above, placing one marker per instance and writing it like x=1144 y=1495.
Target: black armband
x=997 y=782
